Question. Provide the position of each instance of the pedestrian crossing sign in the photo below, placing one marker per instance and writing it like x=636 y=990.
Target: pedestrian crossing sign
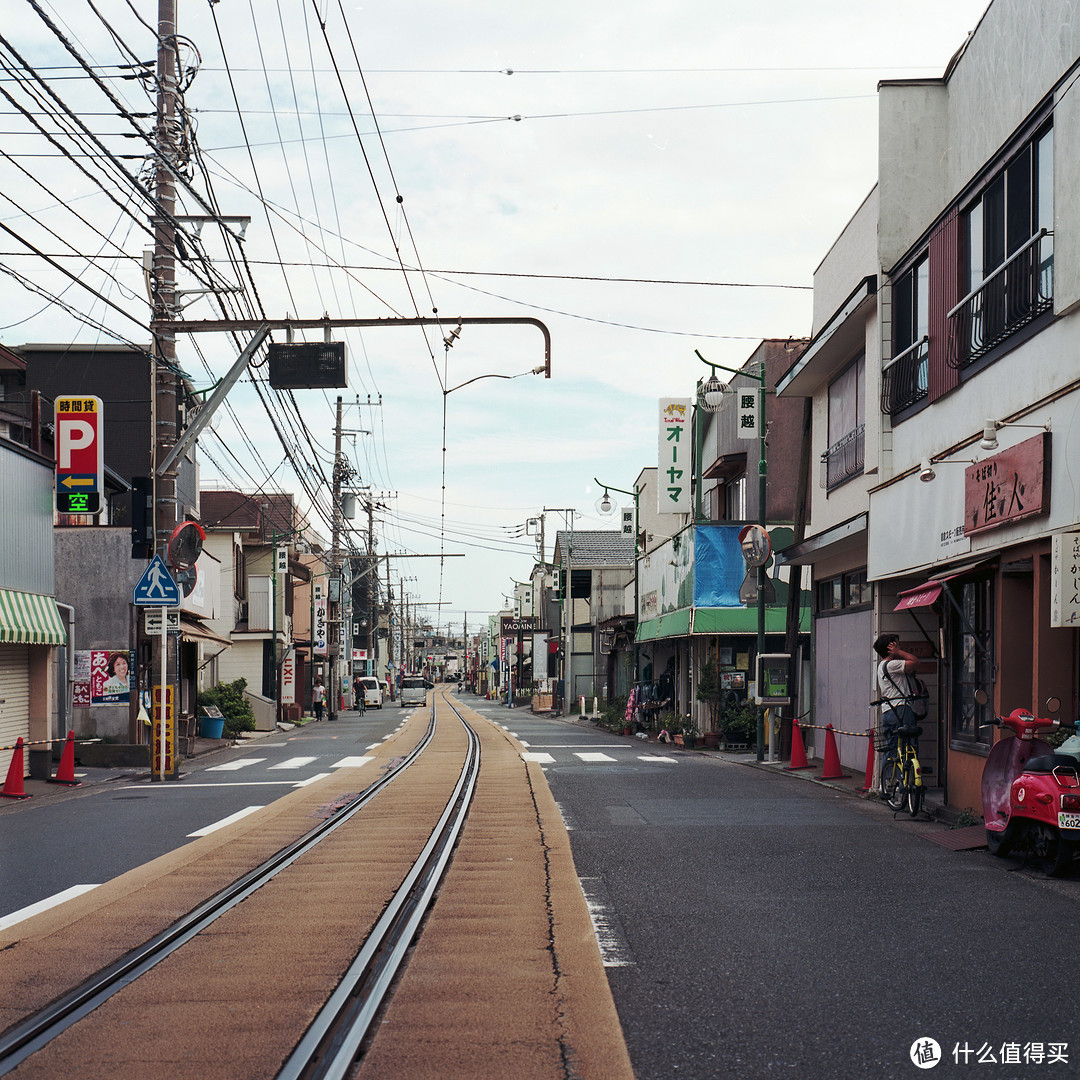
x=156 y=588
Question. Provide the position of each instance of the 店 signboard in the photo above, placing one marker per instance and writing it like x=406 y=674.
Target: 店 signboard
x=675 y=457
x=1008 y=487
x=80 y=456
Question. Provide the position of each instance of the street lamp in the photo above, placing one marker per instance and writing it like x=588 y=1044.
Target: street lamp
x=709 y=390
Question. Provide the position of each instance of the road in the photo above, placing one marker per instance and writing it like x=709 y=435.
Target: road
x=753 y=924
x=759 y=925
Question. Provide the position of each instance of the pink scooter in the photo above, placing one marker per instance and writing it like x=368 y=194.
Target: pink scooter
x=1031 y=791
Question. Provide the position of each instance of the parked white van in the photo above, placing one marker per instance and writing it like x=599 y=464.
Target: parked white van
x=414 y=690
x=372 y=689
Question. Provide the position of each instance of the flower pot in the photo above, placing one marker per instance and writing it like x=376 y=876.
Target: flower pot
x=711 y=740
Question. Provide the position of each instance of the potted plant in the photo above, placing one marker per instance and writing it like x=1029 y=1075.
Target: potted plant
x=687 y=736
x=739 y=724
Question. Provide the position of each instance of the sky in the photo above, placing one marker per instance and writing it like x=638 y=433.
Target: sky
x=645 y=182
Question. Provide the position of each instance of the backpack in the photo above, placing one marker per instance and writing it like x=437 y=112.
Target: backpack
x=917 y=698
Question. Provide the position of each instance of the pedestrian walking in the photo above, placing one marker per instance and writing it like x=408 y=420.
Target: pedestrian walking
x=318 y=697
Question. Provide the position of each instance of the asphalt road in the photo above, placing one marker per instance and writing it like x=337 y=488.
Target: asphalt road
x=759 y=925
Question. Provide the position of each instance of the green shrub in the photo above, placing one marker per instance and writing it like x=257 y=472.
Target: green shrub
x=738 y=722
x=234 y=706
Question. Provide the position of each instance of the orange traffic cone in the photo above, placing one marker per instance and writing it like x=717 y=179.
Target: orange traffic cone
x=13 y=786
x=798 y=751
x=832 y=758
x=65 y=774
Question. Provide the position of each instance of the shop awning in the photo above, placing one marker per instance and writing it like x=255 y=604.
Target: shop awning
x=29 y=619
x=193 y=630
x=920 y=596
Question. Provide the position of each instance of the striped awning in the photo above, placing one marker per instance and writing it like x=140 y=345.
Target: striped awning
x=29 y=619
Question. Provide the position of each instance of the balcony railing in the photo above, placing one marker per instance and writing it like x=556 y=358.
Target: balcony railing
x=903 y=379
x=1018 y=291
x=844 y=459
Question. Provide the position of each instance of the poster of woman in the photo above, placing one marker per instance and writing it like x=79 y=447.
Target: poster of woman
x=110 y=677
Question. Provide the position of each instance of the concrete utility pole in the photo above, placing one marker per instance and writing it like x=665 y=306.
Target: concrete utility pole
x=333 y=612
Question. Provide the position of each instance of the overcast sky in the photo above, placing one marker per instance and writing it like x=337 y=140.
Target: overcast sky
x=645 y=181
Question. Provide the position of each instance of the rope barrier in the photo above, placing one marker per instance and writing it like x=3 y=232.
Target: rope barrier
x=48 y=742
x=836 y=731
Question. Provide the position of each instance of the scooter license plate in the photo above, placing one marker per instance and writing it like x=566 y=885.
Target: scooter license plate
x=1068 y=821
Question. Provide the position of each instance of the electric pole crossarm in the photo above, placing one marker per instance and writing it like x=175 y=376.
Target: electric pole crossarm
x=220 y=326
x=215 y=399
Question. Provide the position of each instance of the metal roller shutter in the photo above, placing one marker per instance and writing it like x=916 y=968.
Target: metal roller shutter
x=14 y=701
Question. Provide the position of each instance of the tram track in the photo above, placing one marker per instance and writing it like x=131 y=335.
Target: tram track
x=432 y=925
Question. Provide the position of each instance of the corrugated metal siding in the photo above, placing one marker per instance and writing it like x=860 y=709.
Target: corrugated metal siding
x=26 y=524
x=944 y=294
x=14 y=702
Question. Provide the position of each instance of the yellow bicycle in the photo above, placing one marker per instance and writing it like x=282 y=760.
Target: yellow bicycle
x=901 y=773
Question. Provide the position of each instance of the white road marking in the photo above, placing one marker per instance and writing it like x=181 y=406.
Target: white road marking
x=44 y=905
x=543 y=759
x=225 y=821
x=312 y=779
x=523 y=742
x=352 y=762
x=614 y=950
x=658 y=757
x=239 y=763
x=293 y=763
x=595 y=757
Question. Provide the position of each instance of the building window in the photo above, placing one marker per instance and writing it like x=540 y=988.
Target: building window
x=842 y=591
x=904 y=378
x=972 y=663
x=735 y=499
x=1007 y=252
x=846 y=426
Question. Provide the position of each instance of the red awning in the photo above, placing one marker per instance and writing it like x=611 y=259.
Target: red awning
x=921 y=596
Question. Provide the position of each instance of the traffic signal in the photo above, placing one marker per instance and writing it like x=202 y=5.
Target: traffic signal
x=142 y=517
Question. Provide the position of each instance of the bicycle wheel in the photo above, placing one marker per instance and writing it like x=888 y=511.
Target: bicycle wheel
x=892 y=786
x=913 y=792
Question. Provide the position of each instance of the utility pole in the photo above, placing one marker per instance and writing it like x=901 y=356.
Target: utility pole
x=372 y=581
x=334 y=583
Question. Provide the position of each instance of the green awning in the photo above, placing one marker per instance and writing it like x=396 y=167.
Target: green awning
x=674 y=624
x=29 y=619
x=733 y=620
x=743 y=620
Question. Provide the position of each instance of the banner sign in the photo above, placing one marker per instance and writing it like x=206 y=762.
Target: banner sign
x=675 y=457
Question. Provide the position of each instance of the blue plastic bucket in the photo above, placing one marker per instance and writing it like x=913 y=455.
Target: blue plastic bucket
x=211 y=727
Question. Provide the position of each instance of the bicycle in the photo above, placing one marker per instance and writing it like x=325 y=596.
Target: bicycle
x=901 y=773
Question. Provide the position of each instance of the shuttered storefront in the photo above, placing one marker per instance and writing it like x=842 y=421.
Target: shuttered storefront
x=14 y=701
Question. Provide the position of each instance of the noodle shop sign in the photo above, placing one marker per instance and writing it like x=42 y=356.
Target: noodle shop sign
x=1008 y=487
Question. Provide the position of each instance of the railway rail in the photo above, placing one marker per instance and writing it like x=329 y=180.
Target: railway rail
x=361 y=883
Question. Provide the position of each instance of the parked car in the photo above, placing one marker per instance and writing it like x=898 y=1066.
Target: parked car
x=414 y=690
x=372 y=689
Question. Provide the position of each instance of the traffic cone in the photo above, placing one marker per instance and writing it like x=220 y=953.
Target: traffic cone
x=798 y=751
x=65 y=774
x=832 y=758
x=868 y=780
x=13 y=786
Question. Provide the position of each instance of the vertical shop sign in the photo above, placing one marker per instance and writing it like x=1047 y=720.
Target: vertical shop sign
x=675 y=457
x=1065 y=579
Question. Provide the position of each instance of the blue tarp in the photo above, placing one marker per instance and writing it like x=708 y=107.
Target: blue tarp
x=718 y=566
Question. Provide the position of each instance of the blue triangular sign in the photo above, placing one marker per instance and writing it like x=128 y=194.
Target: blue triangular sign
x=156 y=588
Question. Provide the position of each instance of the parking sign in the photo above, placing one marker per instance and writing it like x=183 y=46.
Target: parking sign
x=80 y=459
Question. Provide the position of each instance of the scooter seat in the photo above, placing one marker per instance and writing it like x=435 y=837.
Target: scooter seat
x=1047 y=763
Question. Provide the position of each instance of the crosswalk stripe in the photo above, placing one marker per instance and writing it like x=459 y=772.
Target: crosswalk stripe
x=293 y=763
x=44 y=905
x=225 y=821
x=543 y=759
x=352 y=762
x=658 y=757
x=595 y=757
x=239 y=763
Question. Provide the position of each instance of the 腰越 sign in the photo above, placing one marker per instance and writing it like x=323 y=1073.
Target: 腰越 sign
x=80 y=457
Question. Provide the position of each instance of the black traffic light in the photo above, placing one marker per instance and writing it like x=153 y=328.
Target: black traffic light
x=142 y=517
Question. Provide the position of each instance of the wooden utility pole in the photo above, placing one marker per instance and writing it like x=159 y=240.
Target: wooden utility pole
x=334 y=583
